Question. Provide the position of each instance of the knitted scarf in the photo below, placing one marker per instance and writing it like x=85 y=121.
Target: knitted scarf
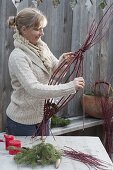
x=40 y=49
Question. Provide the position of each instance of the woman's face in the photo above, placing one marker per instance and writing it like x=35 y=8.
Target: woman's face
x=32 y=34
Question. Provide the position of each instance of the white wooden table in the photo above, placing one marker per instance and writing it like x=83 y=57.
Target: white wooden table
x=90 y=145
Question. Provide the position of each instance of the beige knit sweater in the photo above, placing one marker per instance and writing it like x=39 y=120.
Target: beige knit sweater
x=29 y=79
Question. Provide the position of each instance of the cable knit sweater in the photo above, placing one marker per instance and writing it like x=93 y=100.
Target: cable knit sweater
x=29 y=79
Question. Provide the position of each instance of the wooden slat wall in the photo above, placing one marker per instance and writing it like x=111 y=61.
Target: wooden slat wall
x=66 y=31
x=108 y=51
x=6 y=44
x=59 y=28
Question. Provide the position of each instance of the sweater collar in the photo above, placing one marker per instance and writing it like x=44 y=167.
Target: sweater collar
x=38 y=54
x=33 y=57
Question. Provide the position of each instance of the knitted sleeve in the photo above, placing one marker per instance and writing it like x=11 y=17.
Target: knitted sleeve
x=21 y=69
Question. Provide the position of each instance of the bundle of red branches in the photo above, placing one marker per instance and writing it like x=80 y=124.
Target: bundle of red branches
x=96 y=32
x=87 y=159
x=105 y=92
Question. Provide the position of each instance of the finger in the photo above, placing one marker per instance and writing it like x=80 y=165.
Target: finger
x=81 y=83
x=80 y=86
x=80 y=79
x=70 y=54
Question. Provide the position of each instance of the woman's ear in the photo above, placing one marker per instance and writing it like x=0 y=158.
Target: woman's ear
x=23 y=30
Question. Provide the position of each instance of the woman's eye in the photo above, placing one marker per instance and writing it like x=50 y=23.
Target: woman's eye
x=35 y=29
x=38 y=29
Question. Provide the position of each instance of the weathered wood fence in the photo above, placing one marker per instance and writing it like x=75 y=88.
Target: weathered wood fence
x=66 y=31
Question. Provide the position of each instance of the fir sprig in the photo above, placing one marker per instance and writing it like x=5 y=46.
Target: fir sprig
x=41 y=154
x=59 y=122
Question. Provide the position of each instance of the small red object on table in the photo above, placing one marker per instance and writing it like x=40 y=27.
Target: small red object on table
x=16 y=144
x=7 y=139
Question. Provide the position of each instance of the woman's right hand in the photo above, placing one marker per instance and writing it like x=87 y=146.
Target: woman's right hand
x=79 y=83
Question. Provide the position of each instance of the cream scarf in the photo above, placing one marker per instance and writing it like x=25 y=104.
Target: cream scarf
x=40 y=49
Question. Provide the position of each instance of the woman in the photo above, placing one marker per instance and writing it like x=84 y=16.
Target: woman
x=31 y=65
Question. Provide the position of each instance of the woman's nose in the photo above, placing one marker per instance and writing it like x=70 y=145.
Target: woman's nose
x=41 y=32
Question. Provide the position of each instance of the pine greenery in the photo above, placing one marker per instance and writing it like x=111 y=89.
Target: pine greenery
x=59 y=122
x=41 y=154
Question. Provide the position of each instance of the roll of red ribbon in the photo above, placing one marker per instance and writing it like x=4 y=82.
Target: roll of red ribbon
x=16 y=144
x=7 y=139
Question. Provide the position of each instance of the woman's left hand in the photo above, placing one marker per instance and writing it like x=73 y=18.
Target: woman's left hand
x=67 y=57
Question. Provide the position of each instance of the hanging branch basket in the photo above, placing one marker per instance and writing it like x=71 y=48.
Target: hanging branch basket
x=91 y=104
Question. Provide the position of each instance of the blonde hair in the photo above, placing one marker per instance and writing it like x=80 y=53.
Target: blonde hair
x=28 y=17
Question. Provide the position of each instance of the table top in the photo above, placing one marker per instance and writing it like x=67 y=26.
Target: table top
x=86 y=144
